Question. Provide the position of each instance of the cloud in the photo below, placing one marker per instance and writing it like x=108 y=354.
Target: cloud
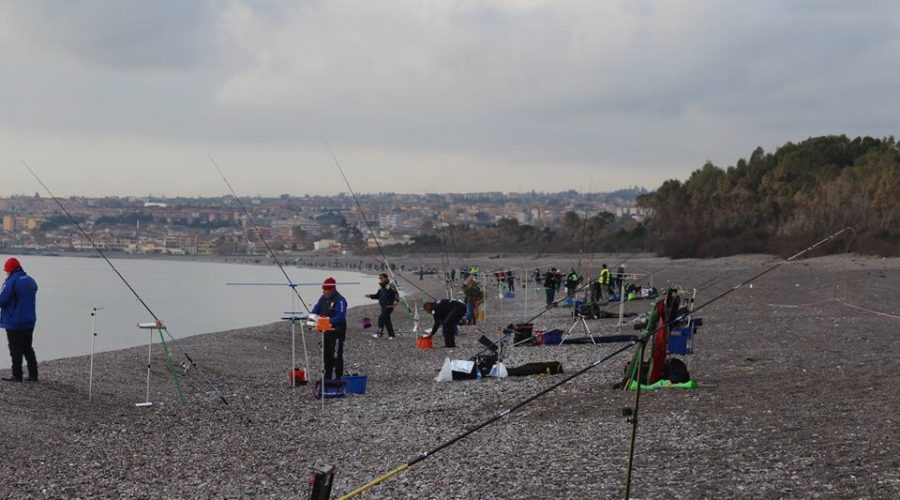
x=636 y=89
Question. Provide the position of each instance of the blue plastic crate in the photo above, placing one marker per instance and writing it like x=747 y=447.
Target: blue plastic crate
x=681 y=340
x=552 y=337
x=356 y=384
x=333 y=388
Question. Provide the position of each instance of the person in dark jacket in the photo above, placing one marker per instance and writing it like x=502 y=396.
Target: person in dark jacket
x=550 y=285
x=447 y=314
x=572 y=282
x=333 y=305
x=388 y=298
x=18 y=316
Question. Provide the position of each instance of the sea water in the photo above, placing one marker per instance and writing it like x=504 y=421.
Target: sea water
x=189 y=297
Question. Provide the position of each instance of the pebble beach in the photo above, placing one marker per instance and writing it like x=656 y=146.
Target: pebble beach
x=797 y=398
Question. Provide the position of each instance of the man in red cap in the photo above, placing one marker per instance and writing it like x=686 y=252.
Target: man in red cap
x=334 y=306
x=18 y=316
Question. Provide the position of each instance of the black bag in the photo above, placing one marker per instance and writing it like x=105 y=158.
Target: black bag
x=547 y=367
x=484 y=363
x=676 y=371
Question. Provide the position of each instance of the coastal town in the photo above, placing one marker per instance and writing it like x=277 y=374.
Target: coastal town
x=218 y=226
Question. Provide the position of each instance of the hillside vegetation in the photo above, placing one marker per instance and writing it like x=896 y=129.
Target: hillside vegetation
x=777 y=202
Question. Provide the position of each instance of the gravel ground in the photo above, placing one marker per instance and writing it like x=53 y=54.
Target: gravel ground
x=796 y=402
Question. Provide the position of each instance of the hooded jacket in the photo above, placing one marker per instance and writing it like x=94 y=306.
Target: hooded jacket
x=17 y=301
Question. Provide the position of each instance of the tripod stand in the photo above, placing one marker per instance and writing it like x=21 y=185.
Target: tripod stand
x=579 y=320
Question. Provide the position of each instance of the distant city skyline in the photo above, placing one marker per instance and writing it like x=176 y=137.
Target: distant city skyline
x=471 y=96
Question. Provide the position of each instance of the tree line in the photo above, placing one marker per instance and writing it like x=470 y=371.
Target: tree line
x=778 y=202
x=770 y=203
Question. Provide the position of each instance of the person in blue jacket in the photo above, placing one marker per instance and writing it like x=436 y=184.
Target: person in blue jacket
x=18 y=316
x=333 y=305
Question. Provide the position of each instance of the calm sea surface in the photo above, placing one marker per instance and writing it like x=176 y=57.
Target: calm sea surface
x=190 y=298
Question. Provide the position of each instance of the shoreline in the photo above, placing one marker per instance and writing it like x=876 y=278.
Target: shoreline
x=764 y=424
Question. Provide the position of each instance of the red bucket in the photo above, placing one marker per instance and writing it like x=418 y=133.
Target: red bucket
x=424 y=343
x=297 y=376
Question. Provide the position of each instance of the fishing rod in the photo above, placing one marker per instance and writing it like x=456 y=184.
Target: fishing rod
x=678 y=318
x=293 y=286
x=584 y=225
x=499 y=416
x=404 y=278
x=562 y=299
x=648 y=335
x=362 y=214
x=84 y=233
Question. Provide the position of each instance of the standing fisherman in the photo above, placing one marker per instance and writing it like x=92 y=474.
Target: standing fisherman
x=334 y=306
x=550 y=285
x=473 y=295
x=388 y=298
x=604 y=282
x=18 y=316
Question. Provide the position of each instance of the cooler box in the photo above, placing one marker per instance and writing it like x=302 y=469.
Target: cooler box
x=681 y=340
x=523 y=332
x=356 y=384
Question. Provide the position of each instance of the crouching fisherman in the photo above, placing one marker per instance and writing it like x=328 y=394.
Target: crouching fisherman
x=334 y=306
x=447 y=314
x=18 y=316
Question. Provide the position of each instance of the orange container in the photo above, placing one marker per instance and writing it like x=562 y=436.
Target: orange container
x=297 y=376
x=424 y=343
x=323 y=325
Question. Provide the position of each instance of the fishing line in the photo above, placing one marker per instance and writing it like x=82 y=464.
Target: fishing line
x=369 y=226
x=584 y=224
x=679 y=317
x=648 y=335
x=84 y=233
x=291 y=284
x=505 y=413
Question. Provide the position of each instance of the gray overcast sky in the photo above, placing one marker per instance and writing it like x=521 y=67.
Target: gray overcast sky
x=105 y=97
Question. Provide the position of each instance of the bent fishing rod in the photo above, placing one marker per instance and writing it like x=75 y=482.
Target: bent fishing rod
x=362 y=214
x=650 y=335
x=499 y=416
x=134 y=292
x=291 y=284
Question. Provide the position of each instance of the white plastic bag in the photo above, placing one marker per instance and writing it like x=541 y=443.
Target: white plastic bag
x=498 y=370
x=445 y=375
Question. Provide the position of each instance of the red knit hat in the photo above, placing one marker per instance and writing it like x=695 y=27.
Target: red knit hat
x=11 y=265
x=328 y=284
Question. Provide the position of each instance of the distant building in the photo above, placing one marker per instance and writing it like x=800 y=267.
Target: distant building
x=326 y=246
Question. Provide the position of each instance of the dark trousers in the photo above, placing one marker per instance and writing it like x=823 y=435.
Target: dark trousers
x=551 y=292
x=20 y=346
x=448 y=329
x=334 y=351
x=384 y=321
